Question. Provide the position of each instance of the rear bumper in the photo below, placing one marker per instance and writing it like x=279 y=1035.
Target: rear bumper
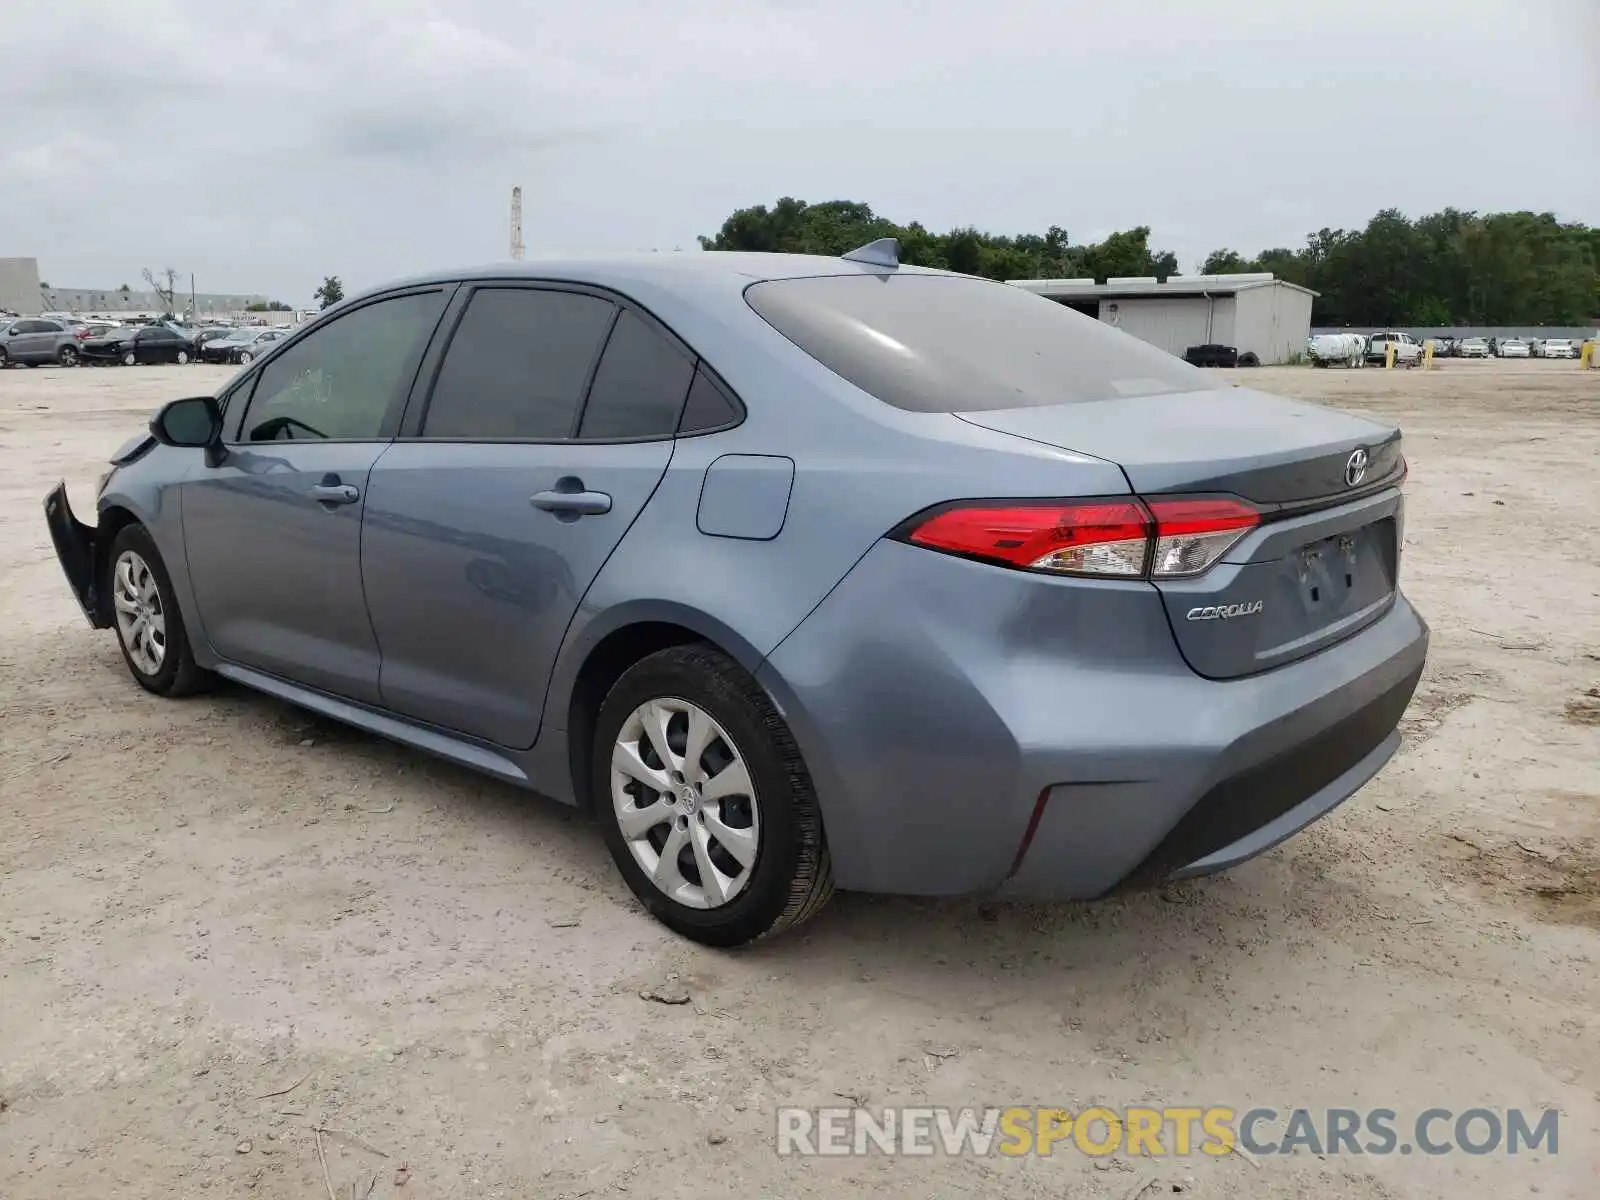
x=1246 y=813
x=74 y=543
x=1064 y=749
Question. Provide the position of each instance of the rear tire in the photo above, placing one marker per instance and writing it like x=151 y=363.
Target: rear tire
x=183 y=358
x=789 y=876
x=157 y=649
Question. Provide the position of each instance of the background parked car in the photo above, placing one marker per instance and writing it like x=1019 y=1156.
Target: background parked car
x=1512 y=348
x=33 y=340
x=238 y=341
x=1558 y=348
x=220 y=349
x=1407 y=350
x=211 y=333
x=151 y=344
x=1472 y=347
x=263 y=339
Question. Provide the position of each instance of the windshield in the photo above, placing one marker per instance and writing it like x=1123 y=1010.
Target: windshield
x=951 y=343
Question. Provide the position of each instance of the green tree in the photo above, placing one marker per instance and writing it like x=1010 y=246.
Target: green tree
x=1226 y=262
x=1444 y=268
x=330 y=293
x=836 y=226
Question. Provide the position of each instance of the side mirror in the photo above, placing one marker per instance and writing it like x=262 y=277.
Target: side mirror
x=192 y=422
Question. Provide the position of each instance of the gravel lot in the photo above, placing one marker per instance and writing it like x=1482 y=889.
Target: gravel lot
x=206 y=902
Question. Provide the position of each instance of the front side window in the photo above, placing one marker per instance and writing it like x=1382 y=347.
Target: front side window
x=343 y=380
x=517 y=365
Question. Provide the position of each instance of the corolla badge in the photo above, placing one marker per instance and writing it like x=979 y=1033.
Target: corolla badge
x=1355 y=469
x=1226 y=612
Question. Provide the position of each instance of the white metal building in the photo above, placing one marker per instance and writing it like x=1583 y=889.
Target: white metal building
x=1260 y=314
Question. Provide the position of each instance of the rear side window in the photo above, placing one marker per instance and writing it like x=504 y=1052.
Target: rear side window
x=710 y=406
x=517 y=365
x=941 y=343
x=640 y=385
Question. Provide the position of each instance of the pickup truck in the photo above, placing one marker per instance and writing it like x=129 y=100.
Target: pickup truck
x=1407 y=350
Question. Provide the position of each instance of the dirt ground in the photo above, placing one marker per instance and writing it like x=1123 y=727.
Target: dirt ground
x=224 y=923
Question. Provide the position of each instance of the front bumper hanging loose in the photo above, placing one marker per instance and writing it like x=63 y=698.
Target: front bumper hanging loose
x=74 y=542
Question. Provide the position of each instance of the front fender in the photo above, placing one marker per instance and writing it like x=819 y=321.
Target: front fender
x=149 y=490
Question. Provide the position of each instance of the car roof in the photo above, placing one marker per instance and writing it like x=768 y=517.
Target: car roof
x=707 y=270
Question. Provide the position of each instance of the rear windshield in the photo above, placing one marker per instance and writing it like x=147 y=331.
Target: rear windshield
x=938 y=343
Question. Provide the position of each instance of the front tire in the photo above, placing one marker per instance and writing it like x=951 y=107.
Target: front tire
x=245 y=358
x=183 y=358
x=68 y=356
x=149 y=626
x=129 y=359
x=705 y=801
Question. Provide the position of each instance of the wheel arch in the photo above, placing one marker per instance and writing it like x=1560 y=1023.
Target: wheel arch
x=114 y=518
x=605 y=648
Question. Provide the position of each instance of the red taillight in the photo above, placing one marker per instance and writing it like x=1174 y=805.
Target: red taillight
x=1099 y=537
x=1109 y=539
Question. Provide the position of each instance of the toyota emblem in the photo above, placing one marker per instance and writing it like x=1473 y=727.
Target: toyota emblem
x=1355 y=470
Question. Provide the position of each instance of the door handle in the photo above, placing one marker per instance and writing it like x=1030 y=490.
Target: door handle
x=336 y=493
x=579 y=504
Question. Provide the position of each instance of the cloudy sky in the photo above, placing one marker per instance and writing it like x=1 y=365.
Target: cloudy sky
x=263 y=144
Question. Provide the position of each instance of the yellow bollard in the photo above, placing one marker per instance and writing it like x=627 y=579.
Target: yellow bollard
x=1388 y=357
x=1586 y=355
x=1427 y=355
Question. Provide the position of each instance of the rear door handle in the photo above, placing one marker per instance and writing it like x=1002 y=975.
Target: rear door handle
x=336 y=493
x=580 y=504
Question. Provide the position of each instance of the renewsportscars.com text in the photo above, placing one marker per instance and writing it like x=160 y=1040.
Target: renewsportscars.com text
x=1160 y=1132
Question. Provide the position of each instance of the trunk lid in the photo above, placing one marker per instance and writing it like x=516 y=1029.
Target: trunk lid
x=1324 y=562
